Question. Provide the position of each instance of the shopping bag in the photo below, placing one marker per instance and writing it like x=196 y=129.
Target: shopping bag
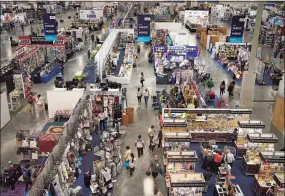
x=126 y=164
x=162 y=172
x=147 y=173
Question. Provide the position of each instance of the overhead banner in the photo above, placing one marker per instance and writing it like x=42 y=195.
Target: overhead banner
x=50 y=26
x=196 y=16
x=95 y=13
x=143 y=28
x=237 y=29
x=41 y=41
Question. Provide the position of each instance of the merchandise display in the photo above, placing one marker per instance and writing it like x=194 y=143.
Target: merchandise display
x=245 y=127
x=257 y=142
x=180 y=162
x=185 y=184
x=179 y=141
x=228 y=188
x=271 y=163
x=209 y=124
x=279 y=183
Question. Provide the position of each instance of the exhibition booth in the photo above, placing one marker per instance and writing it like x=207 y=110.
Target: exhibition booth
x=68 y=157
x=195 y=18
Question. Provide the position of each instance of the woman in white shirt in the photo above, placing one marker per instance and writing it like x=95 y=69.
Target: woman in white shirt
x=40 y=103
x=146 y=96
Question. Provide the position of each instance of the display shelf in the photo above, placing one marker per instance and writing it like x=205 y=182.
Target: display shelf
x=250 y=168
x=279 y=184
x=245 y=127
x=227 y=188
x=180 y=162
x=189 y=183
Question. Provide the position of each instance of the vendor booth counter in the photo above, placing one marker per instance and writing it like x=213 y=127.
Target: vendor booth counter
x=272 y=163
x=189 y=183
x=206 y=124
x=257 y=141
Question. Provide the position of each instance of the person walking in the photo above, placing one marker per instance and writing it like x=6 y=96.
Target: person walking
x=146 y=96
x=97 y=40
x=139 y=96
x=159 y=137
x=229 y=157
x=142 y=78
x=88 y=54
x=138 y=49
x=155 y=167
x=151 y=133
x=31 y=101
x=140 y=146
x=62 y=69
x=92 y=38
x=127 y=157
x=231 y=88
x=102 y=120
x=152 y=143
x=132 y=164
x=40 y=103
x=222 y=88
x=207 y=176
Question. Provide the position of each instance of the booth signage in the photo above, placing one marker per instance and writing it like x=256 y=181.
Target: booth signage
x=177 y=139
x=50 y=26
x=143 y=28
x=196 y=16
x=262 y=140
x=237 y=111
x=174 y=125
x=182 y=160
x=188 y=184
x=95 y=13
x=237 y=29
x=272 y=159
x=250 y=125
x=161 y=17
x=20 y=50
x=277 y=180
x=162 y=49
x=24 y=40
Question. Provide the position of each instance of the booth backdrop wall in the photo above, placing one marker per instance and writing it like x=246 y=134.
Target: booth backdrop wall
x=61 y=99
x=217 y=44
x=180 y=38
x=5 y=115
x=171 y=26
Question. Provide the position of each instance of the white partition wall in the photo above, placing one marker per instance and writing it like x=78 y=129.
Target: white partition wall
x=171 y=26
x=5 y=114
x=62 y=99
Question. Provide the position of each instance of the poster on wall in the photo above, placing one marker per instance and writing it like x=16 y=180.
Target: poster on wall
x=196 y=17
x=95 y=13
x=143 y=28
x=237 y=29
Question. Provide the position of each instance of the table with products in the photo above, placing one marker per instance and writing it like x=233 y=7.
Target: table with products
x=185 y=184
x=246 y=127
x=271 y=163
x=179 y=141
x=228 y=188
x=279 y=184
x=181 y=162
x=47 y=76
x=257 y=142
x=210 y=124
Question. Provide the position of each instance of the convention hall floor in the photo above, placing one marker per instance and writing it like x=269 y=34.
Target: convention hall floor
x=144 y=116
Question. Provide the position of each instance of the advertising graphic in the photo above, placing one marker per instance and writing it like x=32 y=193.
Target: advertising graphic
x=237 y=29
x=143 y=28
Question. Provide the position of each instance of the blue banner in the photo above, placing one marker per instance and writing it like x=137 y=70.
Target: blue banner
x=237 y=28
x=50 y=26
x=161 y=17
x=143 y=28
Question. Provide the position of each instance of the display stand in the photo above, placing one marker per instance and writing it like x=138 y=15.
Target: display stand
x=5 y=114
x=228 y=188
x=271 y=162
x=209 y=124
x=176 y=141
x=279 y=184
x=180 y=162
x=191 y=183
x=246 y=127
x=257 y=142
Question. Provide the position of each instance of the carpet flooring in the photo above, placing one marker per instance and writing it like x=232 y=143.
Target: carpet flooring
x=119 y=62
x=245 y=182
x=90 y=71
x=87 y=164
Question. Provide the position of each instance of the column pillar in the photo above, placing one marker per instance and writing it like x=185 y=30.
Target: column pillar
x=248 y=80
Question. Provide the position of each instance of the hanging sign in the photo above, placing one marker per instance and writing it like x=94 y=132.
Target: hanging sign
x=50 y=26
x=20 y=50
x=174 y=125
x=95 y=13
x=143 y=28
x=182 y=160
x=237 y=29
x=196 y=16
x=262 y=140
x=24 y=40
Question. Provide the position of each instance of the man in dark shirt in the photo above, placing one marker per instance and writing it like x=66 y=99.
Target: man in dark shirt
x=155 y=166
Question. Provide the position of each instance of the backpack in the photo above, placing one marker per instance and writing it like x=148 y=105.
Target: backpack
x=30 y=99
